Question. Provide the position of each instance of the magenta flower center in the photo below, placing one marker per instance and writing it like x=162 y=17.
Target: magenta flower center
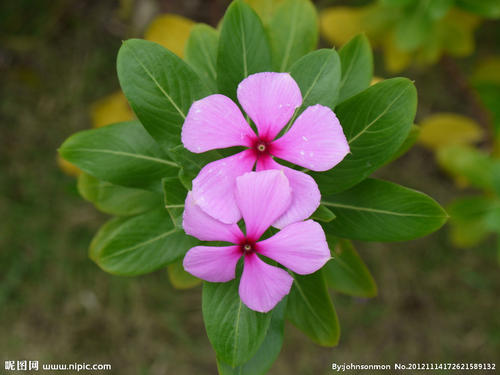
x=261 y=147
x=247 y=246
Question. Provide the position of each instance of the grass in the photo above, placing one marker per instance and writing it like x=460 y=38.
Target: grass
x=436 y=303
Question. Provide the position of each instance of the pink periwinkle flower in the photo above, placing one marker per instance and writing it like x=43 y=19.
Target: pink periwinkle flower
x=261 y=197
x=315 y=141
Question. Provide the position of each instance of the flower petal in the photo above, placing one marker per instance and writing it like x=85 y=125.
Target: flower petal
x=270 y=99
x=315 y=141
x=214 y=264
x=213 y=188
x=262 y=286
x=301 y=247
x=198 y=224
x=215 y=122
x=305 y=193
x=262 y=197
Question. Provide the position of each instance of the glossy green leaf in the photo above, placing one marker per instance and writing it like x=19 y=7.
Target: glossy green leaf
x=235 y=331
x=323 y=214
x=192 y=163
x=159 y=86
x=486 y=8
x=263 y=359
x=318 y=76
x=377 y=210
x=179 y=278
x=356 y=58
x=293 y=31
x=408 y=143
x=139 y=244
x=346 y=272
x=174 y=196
x=114 y=199
x=243 y=48
x=376 y=122
x=310 y=309
x=201 y=54
x=123 y=154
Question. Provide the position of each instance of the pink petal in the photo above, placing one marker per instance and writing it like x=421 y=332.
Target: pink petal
x=262 y=286
x=301 y=247
x=213 y=188
x=262 y=197
x=315 y=141
x=198 y=224
x=305 y=193
x=270 y=99
x=215 y=122
x=214 y=264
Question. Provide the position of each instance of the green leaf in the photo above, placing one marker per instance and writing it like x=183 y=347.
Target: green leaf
x=486 y=8
x=174 y=196
x=318 y=76
x=357 y=67
x=243 y=48
x=346 y=272
x=115 y=199
x=179 y=278
x=468 y=216
x=192 y=163
x=293 y=31
x=235 y=331
x=323 y=214
x=376 y=122
x=123 y=154
x=139 y=244
x=201 y=54
x=159 y=86
x=263 y=359
x=408 y=143
x=413 y=27
x=310 y=309
x=377 y=210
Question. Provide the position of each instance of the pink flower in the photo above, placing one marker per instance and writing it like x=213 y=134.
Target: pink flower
x=315 y=141
x=261 y=197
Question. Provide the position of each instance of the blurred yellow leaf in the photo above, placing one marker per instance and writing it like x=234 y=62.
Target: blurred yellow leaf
x=67 y=167
x=110 y=109
x=395 y=59
x=339 y=24
x=171 y=31
x=446 y=129
x=488 y=70
x=179 y=278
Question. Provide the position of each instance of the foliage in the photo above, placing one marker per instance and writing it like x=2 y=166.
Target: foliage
x=143 y=161
x=454 y=139
x=419 y=31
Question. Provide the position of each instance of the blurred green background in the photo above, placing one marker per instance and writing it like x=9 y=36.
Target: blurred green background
x=436 y=303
